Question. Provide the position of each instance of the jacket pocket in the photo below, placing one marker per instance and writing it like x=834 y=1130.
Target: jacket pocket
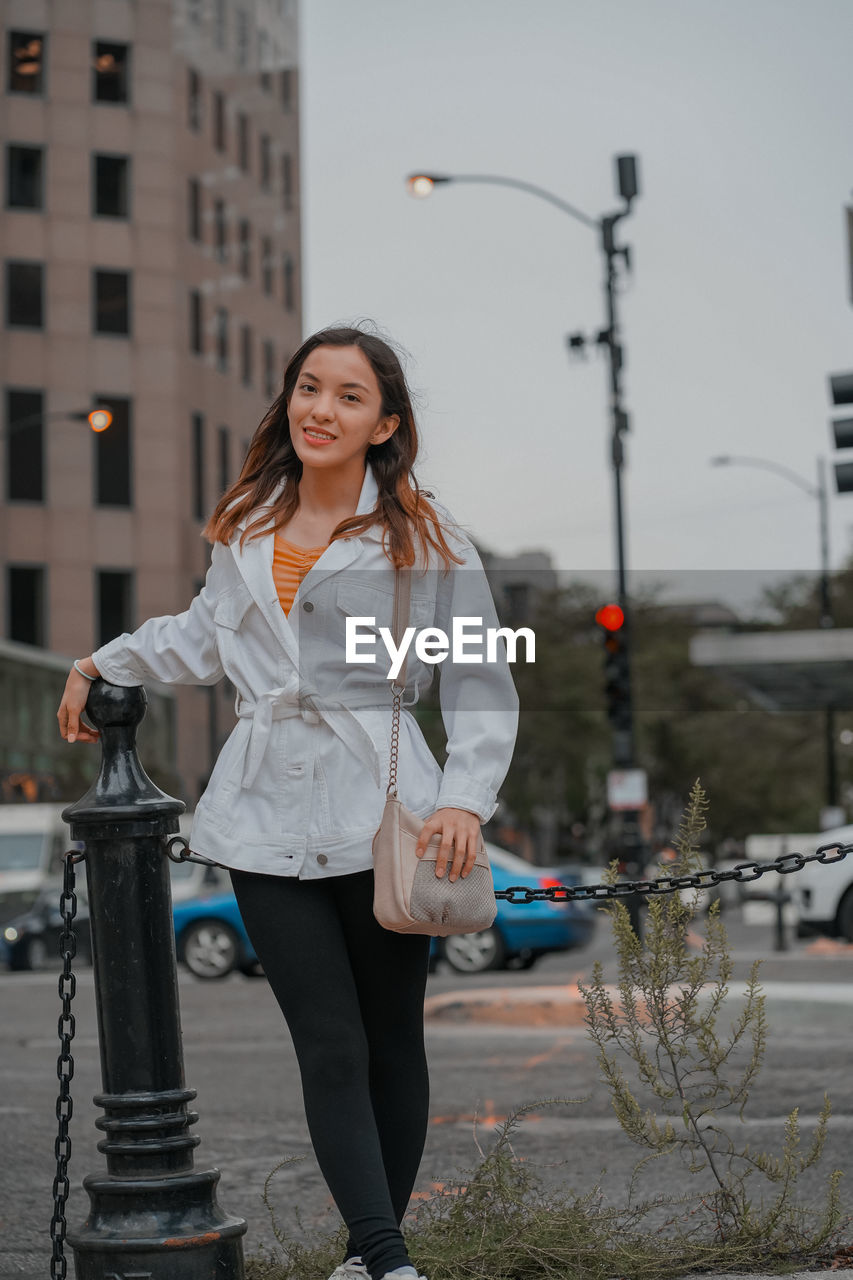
x=231 y=608
x=362 y=600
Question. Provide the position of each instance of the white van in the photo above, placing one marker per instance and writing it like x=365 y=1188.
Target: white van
x=33 y=839
x=823 y=892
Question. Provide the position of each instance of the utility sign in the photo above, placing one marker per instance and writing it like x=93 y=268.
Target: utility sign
x=627 y=789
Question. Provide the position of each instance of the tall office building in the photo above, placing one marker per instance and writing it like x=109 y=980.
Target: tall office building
x=151 y=260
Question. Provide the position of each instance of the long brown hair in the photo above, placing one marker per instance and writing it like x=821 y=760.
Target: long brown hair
x=402 y=507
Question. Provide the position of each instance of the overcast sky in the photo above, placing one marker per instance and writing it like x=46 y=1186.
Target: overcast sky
x=740 y=112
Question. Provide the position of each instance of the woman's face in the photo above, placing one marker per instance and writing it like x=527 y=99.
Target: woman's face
x=335 y=409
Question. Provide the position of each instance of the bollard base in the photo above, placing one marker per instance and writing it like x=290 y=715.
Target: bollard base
x=168 y=1228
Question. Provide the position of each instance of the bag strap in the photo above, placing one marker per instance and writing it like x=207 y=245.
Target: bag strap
x=399 y=622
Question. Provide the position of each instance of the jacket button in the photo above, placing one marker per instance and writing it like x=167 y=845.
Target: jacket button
x=308 y=606
x=322 y=859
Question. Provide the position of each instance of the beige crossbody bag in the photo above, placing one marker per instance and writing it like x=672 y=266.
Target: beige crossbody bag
x=408 y=896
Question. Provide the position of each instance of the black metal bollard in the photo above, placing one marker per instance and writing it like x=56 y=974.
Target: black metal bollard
x=152 y=1215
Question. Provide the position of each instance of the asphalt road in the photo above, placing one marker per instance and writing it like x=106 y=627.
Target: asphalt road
x=238 y=1057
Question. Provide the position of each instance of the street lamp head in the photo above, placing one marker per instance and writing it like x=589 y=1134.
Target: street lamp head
x=421 y=184
x=627 y=178
x=100 y=419
x=722 y=461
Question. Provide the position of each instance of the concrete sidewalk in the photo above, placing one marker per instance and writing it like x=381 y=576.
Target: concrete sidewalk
x=563 y=1006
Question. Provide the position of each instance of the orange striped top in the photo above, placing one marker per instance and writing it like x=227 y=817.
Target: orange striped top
x=289 y=566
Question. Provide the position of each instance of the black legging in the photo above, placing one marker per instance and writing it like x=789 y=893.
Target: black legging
x=352 y=994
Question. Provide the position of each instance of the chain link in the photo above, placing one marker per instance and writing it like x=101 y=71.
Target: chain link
x=64 y=1065
x=743 y=873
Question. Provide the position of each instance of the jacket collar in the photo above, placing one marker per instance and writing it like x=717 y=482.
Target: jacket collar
x=255 y=559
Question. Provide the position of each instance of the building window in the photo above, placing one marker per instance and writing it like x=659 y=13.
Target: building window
x=198 y=465
x=113 y=454
x=25 y=294
x=285 y=89
x=219 y=23
x=111 y=302
x=243 y=141
x=194 y=210
x=112 y=187
x=289 y=290
x=242 y=38
x=269 y=369
x=193 y=99
x=24 y=177
x=196 y=322
x=245 y=248
x=25 y=594
x=111 y=72
x=266 y=161
x=24 y=431
x=222 y=339
x=266 y=266
x=219 y=120
x=26 y=62
x=286 y=182
x=224 y=449
x=220 y=230
x=246 y=355
x=114 y=593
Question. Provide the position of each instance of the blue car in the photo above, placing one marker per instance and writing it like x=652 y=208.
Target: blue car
x=212 y=941
x=211 y=938
x=521 y=932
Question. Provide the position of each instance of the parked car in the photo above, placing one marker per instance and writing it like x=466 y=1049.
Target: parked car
x=522 y=933
x=31 y=940
x=33 y=838
x=212 y=940
x=822 y=893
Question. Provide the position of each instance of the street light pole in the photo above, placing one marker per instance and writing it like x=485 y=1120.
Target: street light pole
x=422 y=184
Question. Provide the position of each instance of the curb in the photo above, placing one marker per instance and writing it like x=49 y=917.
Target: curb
x=509 y=1006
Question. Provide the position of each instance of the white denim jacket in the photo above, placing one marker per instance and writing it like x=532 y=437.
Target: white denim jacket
x=299 y=786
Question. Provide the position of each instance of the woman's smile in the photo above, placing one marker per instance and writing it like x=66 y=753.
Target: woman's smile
x=317 y=435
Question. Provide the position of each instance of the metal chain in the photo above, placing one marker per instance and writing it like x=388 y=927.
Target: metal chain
x=519 y=894
x=64 y=1065
x=743 y=873
x=397 y=694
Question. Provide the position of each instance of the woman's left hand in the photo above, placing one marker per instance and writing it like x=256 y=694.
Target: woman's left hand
x=458 y=828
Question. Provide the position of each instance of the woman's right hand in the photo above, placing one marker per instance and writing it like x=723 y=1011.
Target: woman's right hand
x=73 y=703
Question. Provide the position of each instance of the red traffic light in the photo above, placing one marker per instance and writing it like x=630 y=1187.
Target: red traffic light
x=611 y=617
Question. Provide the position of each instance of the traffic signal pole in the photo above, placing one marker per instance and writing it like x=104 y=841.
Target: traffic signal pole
x=623 y=738
x=629 y=837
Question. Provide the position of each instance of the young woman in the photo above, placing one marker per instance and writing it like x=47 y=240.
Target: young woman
x=306 y=539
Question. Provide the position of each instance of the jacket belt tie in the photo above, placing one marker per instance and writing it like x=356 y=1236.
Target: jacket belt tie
x=296 y=698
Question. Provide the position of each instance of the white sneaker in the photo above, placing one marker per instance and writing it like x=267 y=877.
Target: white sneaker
x=403 y=1273
x=352 y=1269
